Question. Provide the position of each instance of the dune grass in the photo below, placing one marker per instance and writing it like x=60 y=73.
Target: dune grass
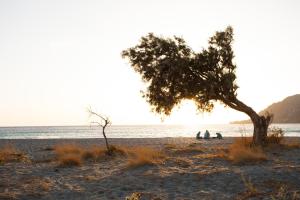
x=140 y=156
x=9 y=153
x=75 y=155
x=241 y=151
x=68 y=155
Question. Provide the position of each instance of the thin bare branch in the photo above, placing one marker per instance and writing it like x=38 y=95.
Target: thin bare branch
x=97 y=123
x=103 y=122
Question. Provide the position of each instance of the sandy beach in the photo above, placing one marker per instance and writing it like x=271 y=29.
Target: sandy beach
x=184 y=174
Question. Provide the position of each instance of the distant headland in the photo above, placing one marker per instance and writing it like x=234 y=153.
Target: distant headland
x=285 y=111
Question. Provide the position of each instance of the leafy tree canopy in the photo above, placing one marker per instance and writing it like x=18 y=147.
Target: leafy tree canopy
x=175 y=72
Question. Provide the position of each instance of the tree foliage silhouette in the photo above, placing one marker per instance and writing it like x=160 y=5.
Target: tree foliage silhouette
x=174 y=72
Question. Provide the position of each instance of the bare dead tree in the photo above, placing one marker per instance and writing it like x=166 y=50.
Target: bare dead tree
x=103 y=122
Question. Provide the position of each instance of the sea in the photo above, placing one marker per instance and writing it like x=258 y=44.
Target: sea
x=136 y=131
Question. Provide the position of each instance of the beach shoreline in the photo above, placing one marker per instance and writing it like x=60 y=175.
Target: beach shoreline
x=184 y=174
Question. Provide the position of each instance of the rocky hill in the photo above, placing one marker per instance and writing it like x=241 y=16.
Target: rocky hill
x=285 y=111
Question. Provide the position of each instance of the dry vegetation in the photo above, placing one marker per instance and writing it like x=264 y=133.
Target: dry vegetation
x=193 y=148
x=251 y=190
x=142 y=195
x=173 y=159
x=280 y=191
x=275 y=135
x=31 y=186
x=284 y=194
x=242 y=152
x=74 y=155
x=276 y=140
x=140 y=156
x=9 y=153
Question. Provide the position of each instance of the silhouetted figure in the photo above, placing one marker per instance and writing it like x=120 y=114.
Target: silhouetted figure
x=219 y=136
x=198 y=135
x=206 y=135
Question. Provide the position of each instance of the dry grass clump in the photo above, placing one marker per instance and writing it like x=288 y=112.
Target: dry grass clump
x=93 y=153
x=9 y=153
x=68 y=155
x=74 y=155
x=117 y=150
x=242 y=152
x=98 y=153
x=140 y=156
x=70 y=160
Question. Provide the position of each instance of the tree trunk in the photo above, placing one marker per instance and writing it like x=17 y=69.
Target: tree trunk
x=260 y=123
x=260 y=131
x=106 y=142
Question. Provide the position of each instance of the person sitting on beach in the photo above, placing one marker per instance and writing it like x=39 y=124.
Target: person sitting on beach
x=219 y=136
x=198 y=135
x=206 y=135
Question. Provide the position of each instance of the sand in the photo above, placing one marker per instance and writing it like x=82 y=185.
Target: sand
x=183 y=175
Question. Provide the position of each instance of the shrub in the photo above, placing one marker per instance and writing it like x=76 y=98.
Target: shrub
x=276 y=140
x=275 y=135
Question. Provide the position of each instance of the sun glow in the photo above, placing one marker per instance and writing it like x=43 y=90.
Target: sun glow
x=187 y=114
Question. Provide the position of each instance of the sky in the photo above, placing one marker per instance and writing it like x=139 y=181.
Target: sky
x=59 y=57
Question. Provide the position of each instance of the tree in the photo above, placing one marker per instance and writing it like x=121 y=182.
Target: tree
x=102 y=122
x=174 y=72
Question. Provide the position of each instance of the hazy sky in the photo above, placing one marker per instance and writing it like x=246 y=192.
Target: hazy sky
x=59 y=57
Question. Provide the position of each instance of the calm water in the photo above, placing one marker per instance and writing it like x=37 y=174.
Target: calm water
x=141 y=131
